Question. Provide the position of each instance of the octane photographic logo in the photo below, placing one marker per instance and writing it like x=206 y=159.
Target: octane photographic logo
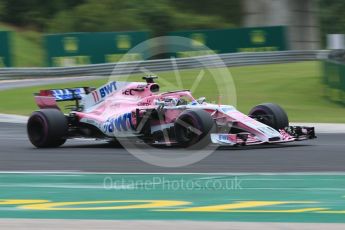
x=205 y=75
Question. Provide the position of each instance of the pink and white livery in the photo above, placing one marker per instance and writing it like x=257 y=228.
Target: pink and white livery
x=137 y=110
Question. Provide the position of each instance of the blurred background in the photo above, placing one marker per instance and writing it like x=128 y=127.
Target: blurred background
x=305 y=23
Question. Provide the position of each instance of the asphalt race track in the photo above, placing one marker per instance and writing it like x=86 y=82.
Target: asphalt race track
x=327 y=153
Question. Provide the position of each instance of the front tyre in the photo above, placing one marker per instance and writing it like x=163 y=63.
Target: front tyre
x=193 y=128
x=47 y=128
x=270 y=114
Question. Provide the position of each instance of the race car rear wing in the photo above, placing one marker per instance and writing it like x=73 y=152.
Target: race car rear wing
x=48 y=98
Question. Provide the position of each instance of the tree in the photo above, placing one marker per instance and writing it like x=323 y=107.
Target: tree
x=33 y=13
x=332 y=18
x=159 y=16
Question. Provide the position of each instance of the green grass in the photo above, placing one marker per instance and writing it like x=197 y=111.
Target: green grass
x=295 y=86
x=27 y=47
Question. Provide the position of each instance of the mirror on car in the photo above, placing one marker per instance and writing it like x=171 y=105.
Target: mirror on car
x=201 y=100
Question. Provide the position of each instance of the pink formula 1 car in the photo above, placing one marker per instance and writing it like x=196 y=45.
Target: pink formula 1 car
x=127 y=110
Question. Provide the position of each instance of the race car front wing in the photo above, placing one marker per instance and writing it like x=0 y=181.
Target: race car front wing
x=289 y=134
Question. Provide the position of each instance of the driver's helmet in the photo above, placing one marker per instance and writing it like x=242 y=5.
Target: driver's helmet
x=170 y=101
x=167 y=101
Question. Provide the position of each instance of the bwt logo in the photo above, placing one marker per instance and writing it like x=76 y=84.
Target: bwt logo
x=120 y=123
x=108 y=89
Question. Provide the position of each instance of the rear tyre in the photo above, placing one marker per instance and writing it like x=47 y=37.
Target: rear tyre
x=193 y=128
x=270 y=114
x=47 y=128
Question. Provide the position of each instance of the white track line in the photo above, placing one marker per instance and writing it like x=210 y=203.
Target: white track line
x=55 y=224
x=324 y=127
x=336 y=173
x=9 y=118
